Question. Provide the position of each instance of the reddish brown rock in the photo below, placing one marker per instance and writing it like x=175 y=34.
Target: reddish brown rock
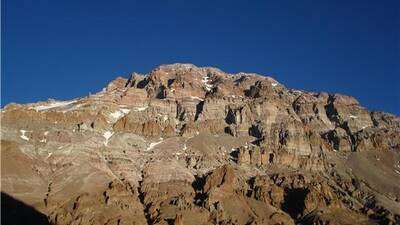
x=195 y=145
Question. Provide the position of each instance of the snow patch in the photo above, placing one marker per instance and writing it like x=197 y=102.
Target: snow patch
x=141 y=108
x=274 y=84
x=235 y=96
x=353 y=117
x=23 y=136
x=398 y=172
x=205 y=81
x=119 y=113
x=75 y=107
x=184 y=147
x=53 y=105
x=44 y=140
x=107 y=135
x=125 y=111
x=153 y=144
x=197 y=98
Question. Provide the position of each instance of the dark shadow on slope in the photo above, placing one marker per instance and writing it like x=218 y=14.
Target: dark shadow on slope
x=199 y=110
x=142 y=201
x=230 y=117
x=198 y=185
x=234 y=155
x=143 y=83
x=15 y=212
x=256 y=130
x=294 y=201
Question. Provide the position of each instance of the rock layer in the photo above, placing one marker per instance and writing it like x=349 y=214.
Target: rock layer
x=195 y=145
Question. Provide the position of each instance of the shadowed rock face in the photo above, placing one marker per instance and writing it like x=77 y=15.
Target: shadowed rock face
x=15 y=212
x=190 y=145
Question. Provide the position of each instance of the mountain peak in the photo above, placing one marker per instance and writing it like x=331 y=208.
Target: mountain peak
x=195 y=145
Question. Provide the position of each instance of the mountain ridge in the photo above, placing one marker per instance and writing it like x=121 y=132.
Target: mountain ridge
x=195 y=145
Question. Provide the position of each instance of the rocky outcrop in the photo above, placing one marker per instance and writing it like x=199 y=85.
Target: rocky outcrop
x=195 y=145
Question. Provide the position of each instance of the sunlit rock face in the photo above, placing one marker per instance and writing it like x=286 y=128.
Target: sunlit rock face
x=195 y=145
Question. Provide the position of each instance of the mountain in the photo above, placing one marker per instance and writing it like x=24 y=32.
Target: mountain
x=195 y=145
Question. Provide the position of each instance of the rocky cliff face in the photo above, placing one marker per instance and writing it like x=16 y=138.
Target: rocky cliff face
x=190 y=145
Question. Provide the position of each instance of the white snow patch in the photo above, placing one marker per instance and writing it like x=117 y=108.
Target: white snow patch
x=295 y=91
x=141 y=108
x=184 y=147
x=398 y=172
x=119 y=113
x=208 y=87
x=153 y=144
x=205 y=81
x=23 y=136
x=125 y=111
x=46 y=133
x=165 y=118
x=75 y=107
x=197 y=98
x=107 y=135
x=53 y=105
x=274 y=84
x=353 y=117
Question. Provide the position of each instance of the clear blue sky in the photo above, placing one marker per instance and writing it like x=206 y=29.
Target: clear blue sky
x=65 y=49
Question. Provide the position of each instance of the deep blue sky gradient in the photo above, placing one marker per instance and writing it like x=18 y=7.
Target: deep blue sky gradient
x=65 y=49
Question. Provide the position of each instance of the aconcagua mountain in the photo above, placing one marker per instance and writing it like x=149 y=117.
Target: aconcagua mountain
x=198 y=146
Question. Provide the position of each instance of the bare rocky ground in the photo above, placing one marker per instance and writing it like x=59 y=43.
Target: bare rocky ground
x=189 y=145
